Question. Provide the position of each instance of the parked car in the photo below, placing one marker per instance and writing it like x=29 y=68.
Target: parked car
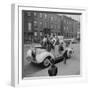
x=40 y=55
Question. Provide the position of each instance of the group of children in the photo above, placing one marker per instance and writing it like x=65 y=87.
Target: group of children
x=49 y=41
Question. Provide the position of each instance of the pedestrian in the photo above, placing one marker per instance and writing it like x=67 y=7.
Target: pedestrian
x=44 y=41
x=53 y=70
x=61 y=48
x=65 y=57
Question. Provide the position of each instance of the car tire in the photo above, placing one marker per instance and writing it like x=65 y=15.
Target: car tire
x=28 y=59
x=46 y=62
x=65 y=54
x=70 y=54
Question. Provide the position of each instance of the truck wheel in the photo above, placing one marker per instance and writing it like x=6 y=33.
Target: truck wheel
x=46 y=62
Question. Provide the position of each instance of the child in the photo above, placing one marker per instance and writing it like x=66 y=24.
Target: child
x=53 y=69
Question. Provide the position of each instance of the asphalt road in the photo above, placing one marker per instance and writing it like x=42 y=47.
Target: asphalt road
x=71 y=68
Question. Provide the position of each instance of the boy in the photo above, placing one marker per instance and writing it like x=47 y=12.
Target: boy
x=53 y=70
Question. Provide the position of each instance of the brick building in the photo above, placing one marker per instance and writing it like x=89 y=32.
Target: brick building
x=70 y=27
x=36 y=24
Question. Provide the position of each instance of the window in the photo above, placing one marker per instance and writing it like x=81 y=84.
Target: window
x=35 y=33
x=45 y=16
x=51 y=26
x=45 y=24
x=64 y=21
x=35 y=13
x=55 y=18
x=40 y=33
x=28 y=13
x=64 y=27
x=51 y=18
x=40 y=23
x=55 y=26
x=58 y=26
x=29 y=26
x=40 y=15
x=67 y=22
x=35 y=23
x=67 y=27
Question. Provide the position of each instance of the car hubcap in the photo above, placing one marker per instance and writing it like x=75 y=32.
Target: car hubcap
x=29 y=59
x=70 y=53
x=46 y=62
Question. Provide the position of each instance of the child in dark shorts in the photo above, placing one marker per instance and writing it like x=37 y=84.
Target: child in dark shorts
x=53 y=70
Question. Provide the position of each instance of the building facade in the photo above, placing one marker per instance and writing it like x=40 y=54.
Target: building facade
x=70 y=27
x=37 y=24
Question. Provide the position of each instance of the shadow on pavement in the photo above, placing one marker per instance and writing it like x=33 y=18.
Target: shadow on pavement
x=32 y=68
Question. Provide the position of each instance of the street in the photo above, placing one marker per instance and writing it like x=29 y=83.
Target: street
x=72 y=67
